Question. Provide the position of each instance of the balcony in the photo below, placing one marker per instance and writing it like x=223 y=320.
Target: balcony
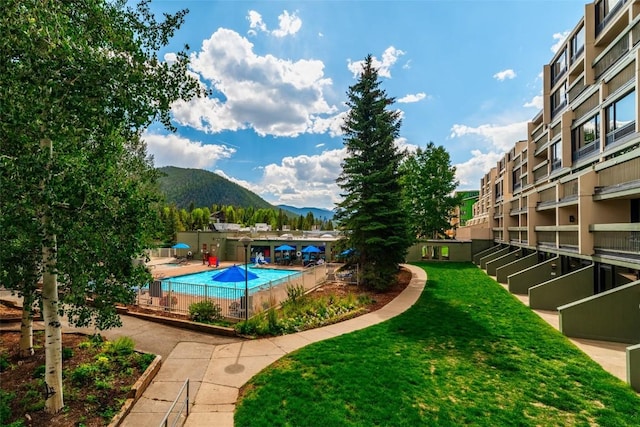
x=540 y=174
x=612 y=56
x=547 y=198
x=569 y=191
x=618 y=135
x=586 y=151
x=566 y=236
x=622 y=179
x=556 y=164
x=617 y=240
x=603 y=21
x=546 y=239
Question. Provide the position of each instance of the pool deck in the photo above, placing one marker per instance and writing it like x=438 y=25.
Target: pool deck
x=162 y=268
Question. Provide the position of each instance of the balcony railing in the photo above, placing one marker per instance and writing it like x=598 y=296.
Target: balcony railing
x=569 y=191
x=546 y=238
x=618 y=135
x=568 y=240
x=616 y=52
x=556 y=164
x=619 y=177
x=539 y=174
x=586 y=151
x=619 y=240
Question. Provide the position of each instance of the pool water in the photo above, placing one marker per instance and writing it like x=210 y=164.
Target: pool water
x=198 y=280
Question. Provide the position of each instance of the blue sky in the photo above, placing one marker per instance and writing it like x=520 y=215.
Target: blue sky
x=465 y=74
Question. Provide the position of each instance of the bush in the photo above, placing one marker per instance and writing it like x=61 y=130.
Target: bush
x=205 y=311
x=84 y=374
x=5 y=408
x=145 y=360
x=4 y=362
x=67 y=353
x=122 y=346
x=295 y=293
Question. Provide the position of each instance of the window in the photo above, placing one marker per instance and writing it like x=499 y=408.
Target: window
x=577 y=44
x=585 y=139
x=621 y=118
x=556 y=157
x=604 y=10
x=559 y=99
x=559 y=67
x=515 y=179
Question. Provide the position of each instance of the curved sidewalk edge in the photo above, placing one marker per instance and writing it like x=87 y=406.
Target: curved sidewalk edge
x=232 y=365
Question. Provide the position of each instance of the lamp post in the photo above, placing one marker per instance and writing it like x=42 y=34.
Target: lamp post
x=245 y=240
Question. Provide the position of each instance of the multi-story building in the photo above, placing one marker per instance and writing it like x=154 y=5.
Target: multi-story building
x=568 y=198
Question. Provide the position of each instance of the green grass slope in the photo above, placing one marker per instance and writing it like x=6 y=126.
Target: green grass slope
x=467 y=353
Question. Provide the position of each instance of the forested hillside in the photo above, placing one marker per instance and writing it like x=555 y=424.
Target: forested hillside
x=203 y=188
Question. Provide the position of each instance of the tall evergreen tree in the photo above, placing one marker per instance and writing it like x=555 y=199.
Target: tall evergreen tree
x=371 y=213
x=429 y=181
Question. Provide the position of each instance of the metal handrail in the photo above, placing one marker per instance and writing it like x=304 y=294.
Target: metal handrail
x=185 y=404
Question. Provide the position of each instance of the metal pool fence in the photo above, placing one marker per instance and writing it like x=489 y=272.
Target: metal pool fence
x=174 y=296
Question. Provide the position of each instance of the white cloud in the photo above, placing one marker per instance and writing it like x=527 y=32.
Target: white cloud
x=173 y=150
x=407 y=99
x=470 y=172
x=273 y=96
x=389 y=57
x=504 y=74
x=289 y=24
x=402 y=144
x=501 y=137
x=536 y=102
x=559 y=38
x=304 y=180
x=255 y=22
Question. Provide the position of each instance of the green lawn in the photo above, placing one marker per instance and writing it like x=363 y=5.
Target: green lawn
x=466 y=353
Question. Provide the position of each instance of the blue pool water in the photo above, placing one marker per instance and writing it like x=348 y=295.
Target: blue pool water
x=197 y=283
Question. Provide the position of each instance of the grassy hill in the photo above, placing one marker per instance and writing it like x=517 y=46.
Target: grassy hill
x=203 y=188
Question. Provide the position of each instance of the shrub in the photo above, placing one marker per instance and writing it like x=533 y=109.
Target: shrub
x=205 y=311
x=39 y=372
x=84 y=373
x=5 y=408
x=145 y=360
x=122 y=346
x=295 y=293
x=67 y=353
x=4 y=362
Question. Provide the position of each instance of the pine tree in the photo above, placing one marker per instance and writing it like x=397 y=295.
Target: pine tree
x=371 y=213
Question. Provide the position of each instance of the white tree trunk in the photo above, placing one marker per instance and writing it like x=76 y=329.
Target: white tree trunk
x=52 y=331
x=26 y=327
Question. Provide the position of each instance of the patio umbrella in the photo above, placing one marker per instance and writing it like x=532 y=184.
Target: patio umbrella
x=285 y=248
x=233 y=274
x=311 y=249
x=180 y=246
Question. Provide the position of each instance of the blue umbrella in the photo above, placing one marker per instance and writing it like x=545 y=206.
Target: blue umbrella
x=180 y=246
x=233 y=274
x=346 y=253
x=310 y=249
x=285 y=248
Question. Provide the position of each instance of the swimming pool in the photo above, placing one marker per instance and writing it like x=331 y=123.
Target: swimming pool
x=199 y=283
